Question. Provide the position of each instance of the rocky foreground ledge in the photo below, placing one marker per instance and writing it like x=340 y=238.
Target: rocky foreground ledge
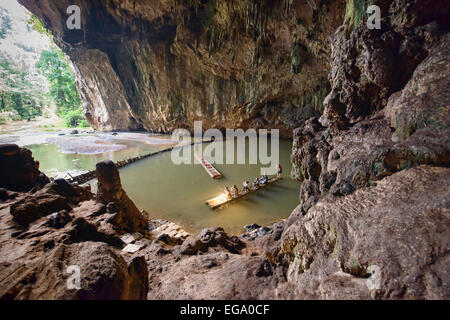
x=400 y=225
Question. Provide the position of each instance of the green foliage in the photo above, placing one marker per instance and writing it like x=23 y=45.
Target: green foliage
x=5 y=23
x=54 y=66
x=74 y=118
x=35 y=24
x=19 y=98
x=84 y=124
x=356 y=11
x=14 y=116
x=22 y=99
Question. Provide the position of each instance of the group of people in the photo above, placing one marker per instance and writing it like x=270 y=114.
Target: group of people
x=231 y=193
x=263 y=180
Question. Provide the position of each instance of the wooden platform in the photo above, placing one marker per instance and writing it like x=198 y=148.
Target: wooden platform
x=213 y=172
x=221 y=200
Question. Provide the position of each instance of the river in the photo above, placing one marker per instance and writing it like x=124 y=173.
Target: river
x=165 y=190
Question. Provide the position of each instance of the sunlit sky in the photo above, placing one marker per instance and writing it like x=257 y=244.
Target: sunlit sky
x=13 y=7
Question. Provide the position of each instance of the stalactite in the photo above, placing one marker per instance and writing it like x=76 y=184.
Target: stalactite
x=288 y=6
x=256 y=18
x=312 y=4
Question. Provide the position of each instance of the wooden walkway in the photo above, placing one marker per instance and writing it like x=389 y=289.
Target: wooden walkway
x=213 y=172
x=221 y=200
x=90 y=175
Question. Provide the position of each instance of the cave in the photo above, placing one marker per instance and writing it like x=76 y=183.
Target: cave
x=357 y=207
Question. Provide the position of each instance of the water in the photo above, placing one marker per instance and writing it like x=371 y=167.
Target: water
x=177 y=192
x=57 y=164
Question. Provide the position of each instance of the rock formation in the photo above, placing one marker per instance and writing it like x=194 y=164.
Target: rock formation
x=158 y=65
x=49 y=229
x=125 y=216
x=358 y=141
x=400 y=225
x=361 y=204
x=19 y=171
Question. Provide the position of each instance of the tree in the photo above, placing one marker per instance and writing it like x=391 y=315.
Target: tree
x=19 y=97
x=54 y=66
x=5 y=23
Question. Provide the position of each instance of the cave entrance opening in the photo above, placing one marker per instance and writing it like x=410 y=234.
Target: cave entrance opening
x=37 y=83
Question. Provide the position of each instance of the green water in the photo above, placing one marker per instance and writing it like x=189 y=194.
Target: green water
x=177 y=192
x=56 y=164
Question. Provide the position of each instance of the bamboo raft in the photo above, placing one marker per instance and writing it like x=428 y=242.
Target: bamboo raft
x=91 y=175
x=213 y=172
x=221 y=200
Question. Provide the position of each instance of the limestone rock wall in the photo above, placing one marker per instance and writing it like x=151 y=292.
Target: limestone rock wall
x=158 y=65
x=397 y=229
x=374 y=167
x=387 y=109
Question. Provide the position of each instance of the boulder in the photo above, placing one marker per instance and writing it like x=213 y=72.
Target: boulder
x=75 y=193
x=7 y=195
x=104 y=275
x=54 y=197
x=215 y=275
x=424 y=101
x=412 y=130
x=398 y=227
x=37 y=206
x=19 y=171
x=82 y=230
x=211 y=238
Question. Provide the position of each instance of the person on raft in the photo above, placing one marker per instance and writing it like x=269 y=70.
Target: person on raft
x=279 y=171
x=264 y=179
x=246 y=188
x=234 y=191
x=227 y=192
x=256 y=183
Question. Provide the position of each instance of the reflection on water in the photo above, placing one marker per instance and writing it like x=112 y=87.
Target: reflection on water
x=57 y=164
x=177 y=192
